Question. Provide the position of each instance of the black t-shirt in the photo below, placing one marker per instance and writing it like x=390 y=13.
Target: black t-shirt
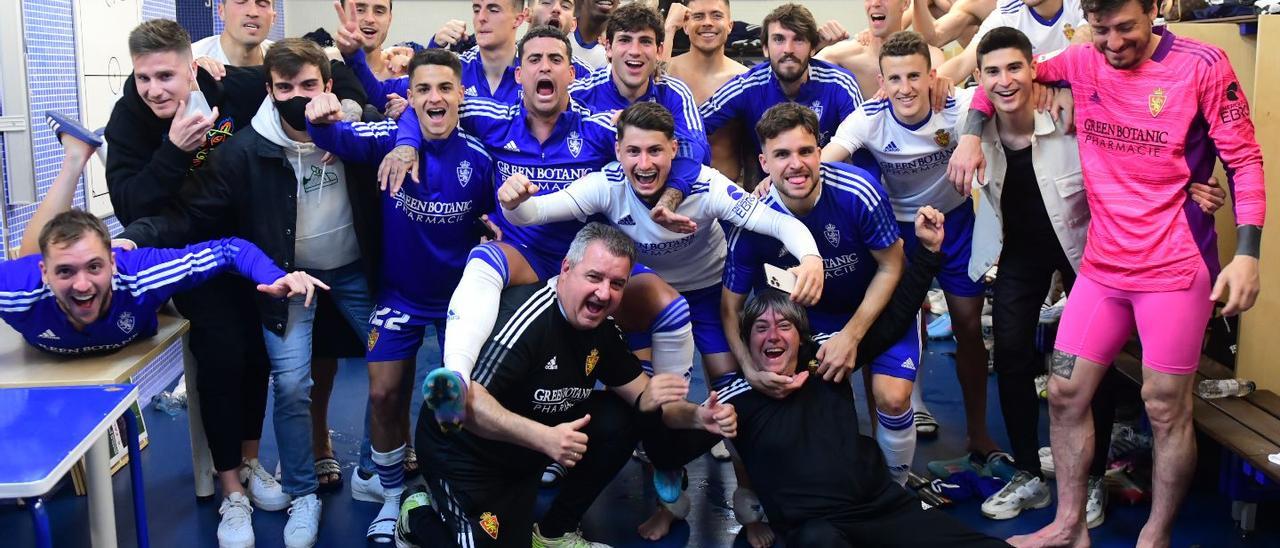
x=804 y=454
x=540 y=367
x=1026 y=221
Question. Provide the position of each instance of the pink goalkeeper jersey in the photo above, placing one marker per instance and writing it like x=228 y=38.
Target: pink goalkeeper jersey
x=1145 y=134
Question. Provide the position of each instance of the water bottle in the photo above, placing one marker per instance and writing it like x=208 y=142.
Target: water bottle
x=1224 y=388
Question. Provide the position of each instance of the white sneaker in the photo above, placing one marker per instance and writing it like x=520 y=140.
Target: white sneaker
x=569 y=540
x=264 y=490
x=1046 y=462
x=1095 y=510
x=366 y=489
x=1024 y=491
x=304 y=522
x=236 y=528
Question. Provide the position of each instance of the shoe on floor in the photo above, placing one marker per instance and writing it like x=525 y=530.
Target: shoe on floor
x=445 y=392
x=414 y=498
x=236 y=528
x=926 y=425
x=1000 y=465
x=944 y=468
x=1096 y=507
x=940 y=327
x=1046 y=462
x=304 y=522
x=1042 y=386
x=720 y=452
x=569 y=540
x=382 y=531
x=1023 y=492
x=366 y=488
x=264 y=490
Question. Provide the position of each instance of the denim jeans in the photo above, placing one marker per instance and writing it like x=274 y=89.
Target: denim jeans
x=291 y=371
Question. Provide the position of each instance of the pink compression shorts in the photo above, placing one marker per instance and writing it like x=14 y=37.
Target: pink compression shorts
x=1099 y=319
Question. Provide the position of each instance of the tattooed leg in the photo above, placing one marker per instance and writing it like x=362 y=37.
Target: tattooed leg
x=1063 y=364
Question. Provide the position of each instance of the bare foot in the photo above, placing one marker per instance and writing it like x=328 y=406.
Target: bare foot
x=76 y=149
x=1054 y=535
x=759 y=535
x=1158 y=539
x=658 y=524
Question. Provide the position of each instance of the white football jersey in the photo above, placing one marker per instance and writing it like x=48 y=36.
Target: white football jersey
x=686 y=261
x=1046 y=35
x=912 y=158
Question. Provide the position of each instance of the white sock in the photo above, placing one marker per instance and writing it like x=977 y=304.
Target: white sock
x=917 y=392
x=672 y=336
x=897 y=439
x=473 y=308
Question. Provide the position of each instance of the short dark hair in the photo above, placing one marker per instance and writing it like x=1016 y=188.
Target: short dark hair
x=69 y=226
x=159 y=36
x=441 y=57
x=687 y=2
x=635 y=17
x=288 y=56
x=1102 y=7
x=544 y=31
x=784 y=117
x=905 y=43
x=1004 y=38
x=793 y=17
x=649 y=116
x=390 y=3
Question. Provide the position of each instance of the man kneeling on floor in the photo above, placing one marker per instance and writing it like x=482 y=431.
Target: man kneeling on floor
x=533 y=398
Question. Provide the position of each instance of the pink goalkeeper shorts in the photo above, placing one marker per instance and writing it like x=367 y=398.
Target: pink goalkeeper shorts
x=1099 y=319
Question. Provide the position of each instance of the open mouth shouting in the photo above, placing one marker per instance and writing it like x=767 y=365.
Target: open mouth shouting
x=83 y=304
x=878 y=20
x=646 y=179
x=774 y=353
x=435 y=114
x=545 y=87
x=594 y=308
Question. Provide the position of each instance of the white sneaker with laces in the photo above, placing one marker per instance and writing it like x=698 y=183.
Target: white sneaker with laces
x=1095 y=510
x=1046 y=462
x=569 y=540
x=304 y=522
x=236 y=528
x=1023 y=492
x=366 y=489
x=264 y=490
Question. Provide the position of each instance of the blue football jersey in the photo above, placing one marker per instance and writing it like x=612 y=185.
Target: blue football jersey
x=852 y=217
x=143 y=281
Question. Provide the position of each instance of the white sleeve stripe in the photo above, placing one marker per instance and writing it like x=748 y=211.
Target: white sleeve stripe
x=168 y=264
x=855 y=185
x=738 y=386
x=515 y=327
x=731 y=90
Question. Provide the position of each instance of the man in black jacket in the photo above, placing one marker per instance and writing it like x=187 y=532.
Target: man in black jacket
x=272 y=184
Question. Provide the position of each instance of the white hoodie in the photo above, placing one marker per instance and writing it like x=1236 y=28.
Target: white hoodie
x=324 y=235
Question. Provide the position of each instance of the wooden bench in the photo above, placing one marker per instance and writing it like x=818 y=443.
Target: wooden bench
x=1249 y=427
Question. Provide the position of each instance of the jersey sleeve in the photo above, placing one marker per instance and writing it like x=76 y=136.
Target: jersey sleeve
x=877 y=223
x=160 y=273
x=724 y=105
x=376 y=90
x=743 y=262
x=851 y=133
x=20 y=287
x=740 y=208
x=618 y=366
x=408 y=132
x=480 y=117
x=1226 y=109
x=501 y=367
x=579 y=200
x=360 y=142
x=692 y=150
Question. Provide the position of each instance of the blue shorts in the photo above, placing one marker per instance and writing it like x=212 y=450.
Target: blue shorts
x=957 y=246
x=396 y=335
x=704 y=313
x=901 y=360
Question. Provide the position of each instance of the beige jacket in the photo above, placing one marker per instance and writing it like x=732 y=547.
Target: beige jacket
x=1056 y=159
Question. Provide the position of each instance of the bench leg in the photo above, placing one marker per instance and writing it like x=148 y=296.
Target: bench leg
x=102 y=513
x=40 y=521
x=135 y=473
x=201 y=460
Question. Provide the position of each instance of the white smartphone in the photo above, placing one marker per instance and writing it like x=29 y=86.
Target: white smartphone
x=779 y=279
x=197 y=104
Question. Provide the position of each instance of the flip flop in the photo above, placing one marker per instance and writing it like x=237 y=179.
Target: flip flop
x=328 y=468
x=61 y=123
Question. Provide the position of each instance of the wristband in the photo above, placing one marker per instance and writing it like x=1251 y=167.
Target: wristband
x=1249 y=240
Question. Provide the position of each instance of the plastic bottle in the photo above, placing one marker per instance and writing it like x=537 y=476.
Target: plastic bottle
x=1224 y=388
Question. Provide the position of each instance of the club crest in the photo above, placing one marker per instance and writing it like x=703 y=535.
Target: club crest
x=817 y=108
x=464 y=173
x=942 y=138
x=1155 y=102
x=126 y=322
x=373 y=338
x=592 y=359
x=575 y=144
x=832 y=234
x=489 y=523
x=1068 y=31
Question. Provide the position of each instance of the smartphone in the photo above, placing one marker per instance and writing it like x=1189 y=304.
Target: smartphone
x=779 y=279
x=197 y=104
x=485 y=230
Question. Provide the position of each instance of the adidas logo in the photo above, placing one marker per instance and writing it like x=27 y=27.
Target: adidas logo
x=511 y=145
x=470 y=91
x=551 y=365
x=891 y=147
x=909 y=364
x=48 y=334
x=626 y=221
